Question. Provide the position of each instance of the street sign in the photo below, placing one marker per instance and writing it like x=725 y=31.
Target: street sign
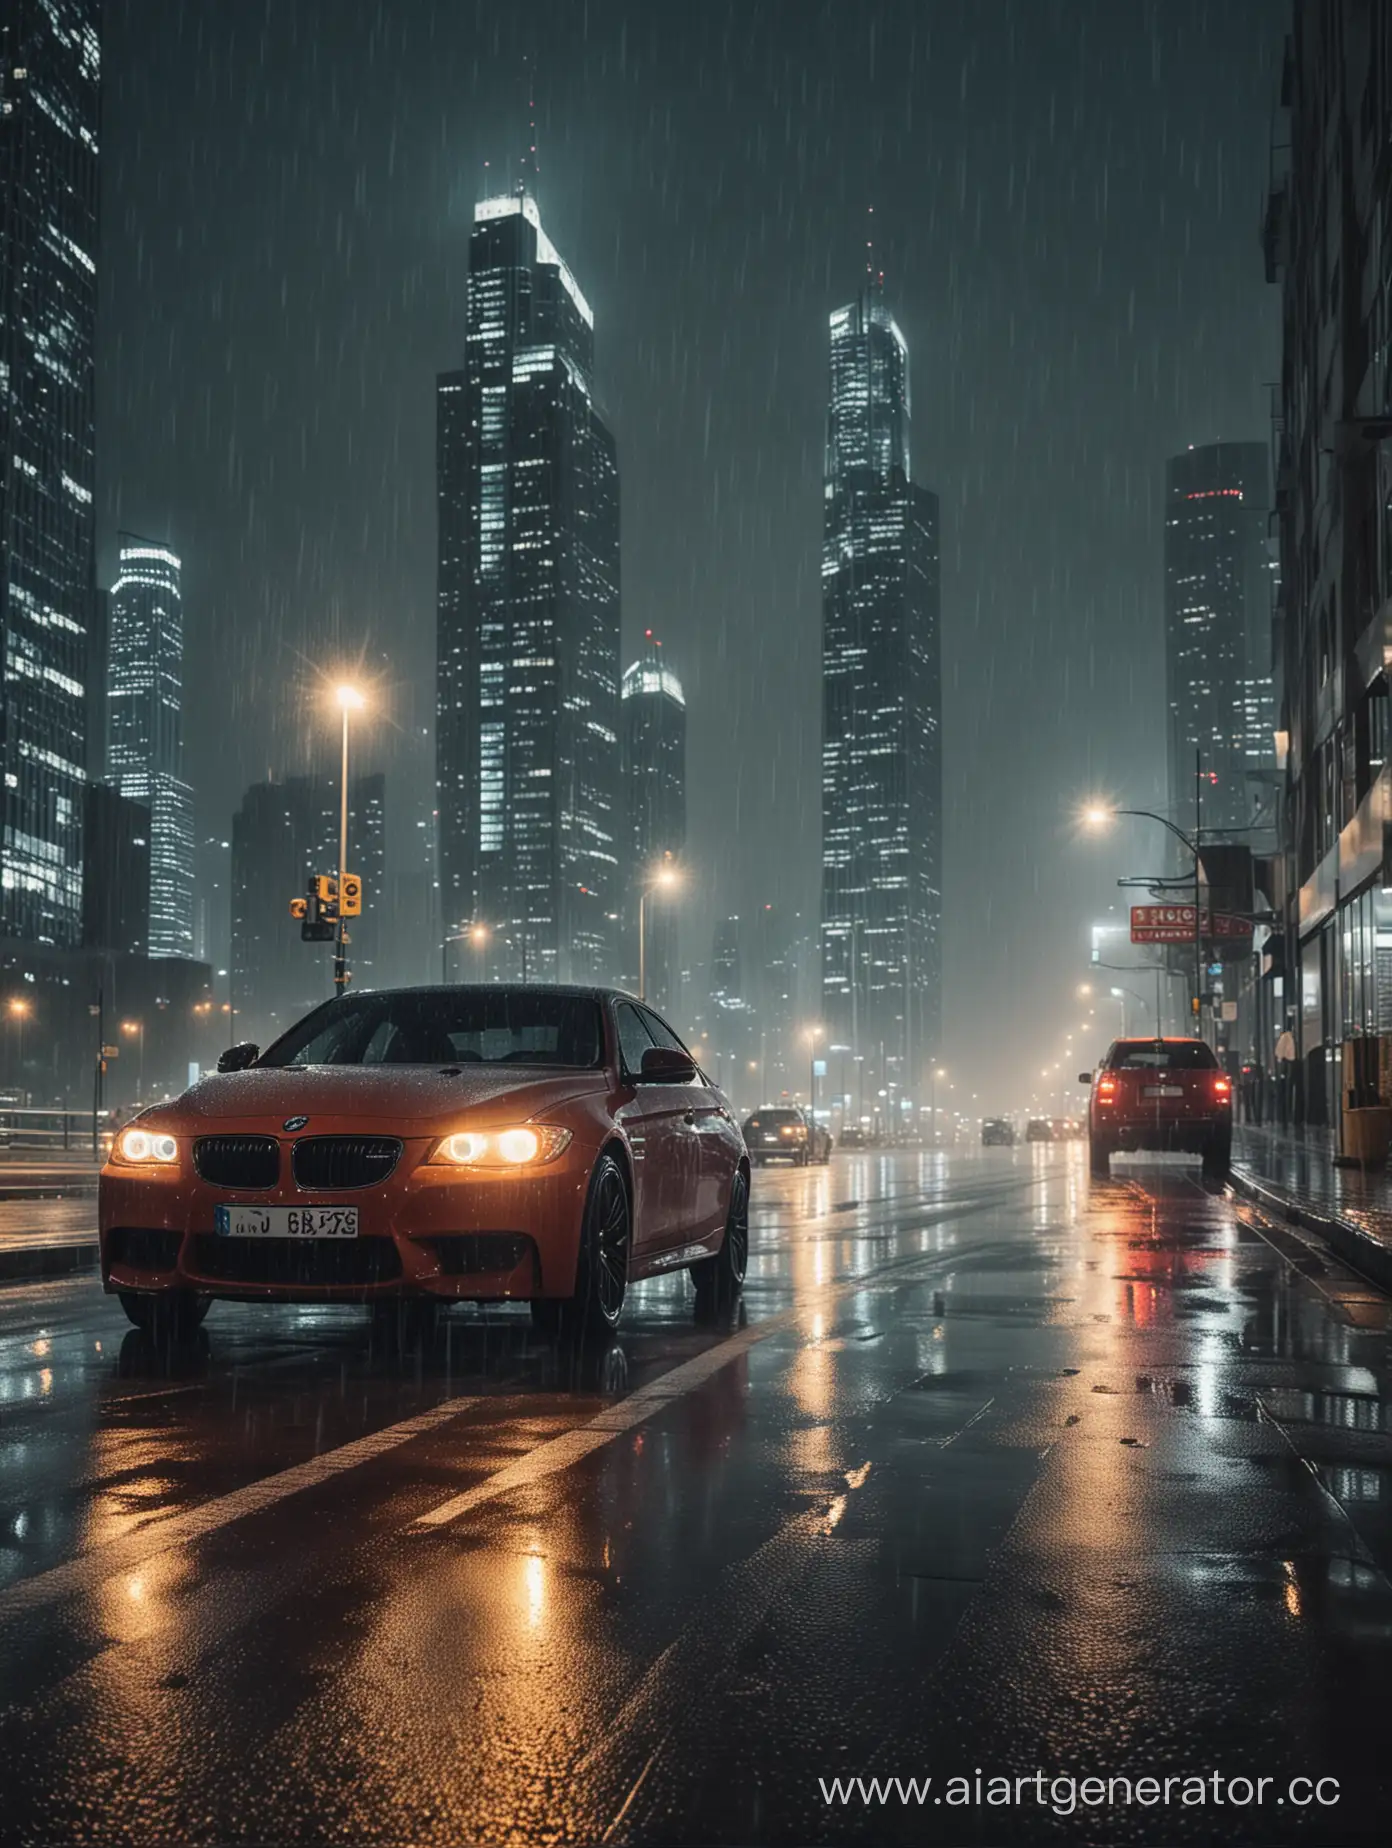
x=1175 y=924
x=111 y=1052
x=819 y=1068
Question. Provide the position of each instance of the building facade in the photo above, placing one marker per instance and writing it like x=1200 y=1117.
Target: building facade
x=653 y=734
x=50 y=72
x=1327 y=245
x=282 y=835
x=115 y=873
x=881 y=741
x=1218 y=609
x=145 y=728
x=527 y=747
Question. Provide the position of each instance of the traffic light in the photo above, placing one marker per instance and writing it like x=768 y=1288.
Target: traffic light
x=299 y=908
x=351 y=896
x=323 y=887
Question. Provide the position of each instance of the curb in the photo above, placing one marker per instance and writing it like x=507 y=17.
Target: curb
x=1365 y=1254
x=27 y=1263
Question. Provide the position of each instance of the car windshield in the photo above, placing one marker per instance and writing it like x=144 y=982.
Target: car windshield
x=447 y=1026
x=1164 y=1055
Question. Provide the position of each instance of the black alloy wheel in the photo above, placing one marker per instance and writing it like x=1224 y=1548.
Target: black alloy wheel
x=165 y=1315
x=601 y=1275
x=720 y=1277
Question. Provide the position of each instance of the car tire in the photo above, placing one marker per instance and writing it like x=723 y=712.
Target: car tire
x=601 y=1271
x=720 y=1277
x=1217 y=1157
x=1099 y=1158
x=166 y=1315
x=800 y=1159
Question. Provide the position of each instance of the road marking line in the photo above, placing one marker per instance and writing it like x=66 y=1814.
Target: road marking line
x=558 y=1453
x=116 y=1556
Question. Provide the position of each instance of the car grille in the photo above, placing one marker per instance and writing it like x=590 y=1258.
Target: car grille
x=344 y=1161
x=238 y=1161
x=295 y=1261
x=144 y=1247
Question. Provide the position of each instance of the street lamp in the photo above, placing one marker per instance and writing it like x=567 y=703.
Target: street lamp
x=1096 y=816
x=349 y=699
x=813 y=1035
x=135 y=1029
x=662 y=877
x=477 y=934
x=19 y=1011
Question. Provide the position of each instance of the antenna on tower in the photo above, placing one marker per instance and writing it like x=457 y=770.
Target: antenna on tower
x=529 y=158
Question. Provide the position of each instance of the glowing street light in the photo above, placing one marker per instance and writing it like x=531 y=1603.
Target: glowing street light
x=661 y=878
x=349 y=699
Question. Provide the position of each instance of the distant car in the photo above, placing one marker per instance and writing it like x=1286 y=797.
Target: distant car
x=785 y=1132
x=1160 y=1094
x=997 y=1133
x=413 y=1147
x=1068 y=1129
x=1039 y=1129
x=853 y=1138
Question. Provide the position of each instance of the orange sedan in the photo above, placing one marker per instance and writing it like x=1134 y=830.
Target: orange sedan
x=415 y=1147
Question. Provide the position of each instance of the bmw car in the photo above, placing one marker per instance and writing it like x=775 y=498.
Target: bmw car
x=415 y=1147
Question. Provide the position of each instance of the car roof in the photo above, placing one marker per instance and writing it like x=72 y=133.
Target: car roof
x=577 y=990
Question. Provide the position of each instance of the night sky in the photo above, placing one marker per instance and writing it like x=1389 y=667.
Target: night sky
x=1066 y=206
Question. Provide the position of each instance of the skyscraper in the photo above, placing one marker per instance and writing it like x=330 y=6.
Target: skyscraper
x=881 y=700
x=653 y=724
x=527 y=751
x=145 y=736
x=1218 y=608
x=50 y=68
x=282 y=834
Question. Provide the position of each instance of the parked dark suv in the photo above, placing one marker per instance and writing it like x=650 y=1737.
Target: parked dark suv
x=784 y=1132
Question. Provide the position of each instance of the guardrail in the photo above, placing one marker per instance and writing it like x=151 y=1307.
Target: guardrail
x=47 y=1131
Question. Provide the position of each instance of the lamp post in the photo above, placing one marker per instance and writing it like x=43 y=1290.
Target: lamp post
x=477 y=934
x=349 y=700
x=1098 y=817
x=19 y=1011
x=135 y=1029
x=661 y=877
x=813 y=1035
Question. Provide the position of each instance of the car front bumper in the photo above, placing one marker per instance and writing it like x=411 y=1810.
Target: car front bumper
x=427 y=1231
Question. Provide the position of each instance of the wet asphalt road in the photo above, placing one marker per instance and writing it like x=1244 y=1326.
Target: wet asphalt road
x=997 y=1471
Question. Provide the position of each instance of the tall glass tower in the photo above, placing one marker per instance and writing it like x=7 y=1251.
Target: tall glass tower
x=50 y=70
x=145 y=738
x=1218 y=607
x=654 y=770
x=881 y=701
x=527 y=747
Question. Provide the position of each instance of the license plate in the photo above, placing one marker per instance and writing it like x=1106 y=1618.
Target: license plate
x=1163 y=1090
x=285 y=1221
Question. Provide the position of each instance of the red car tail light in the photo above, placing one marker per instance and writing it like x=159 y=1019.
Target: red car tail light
x=1106 y=1090
x=1222 y=1090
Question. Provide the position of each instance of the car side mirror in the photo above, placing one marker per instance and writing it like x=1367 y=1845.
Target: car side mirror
x=665 y=1065
x=1084 y=1077
x=238 y=1058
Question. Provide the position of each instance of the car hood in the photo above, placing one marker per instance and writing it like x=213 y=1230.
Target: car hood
x=486 y=1094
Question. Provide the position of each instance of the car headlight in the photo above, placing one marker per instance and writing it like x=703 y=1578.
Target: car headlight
x=529 y=1145
x=145 y=1146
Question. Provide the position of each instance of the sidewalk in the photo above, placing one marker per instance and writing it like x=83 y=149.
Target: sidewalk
x=1295 y=1178
x=47 y=1238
